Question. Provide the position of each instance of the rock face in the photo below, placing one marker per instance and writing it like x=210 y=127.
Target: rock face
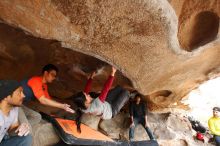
x=162 y=48
x=44 y=134
x=143 y=44
x=198 y=22
x=169 y=129
x=23 y=56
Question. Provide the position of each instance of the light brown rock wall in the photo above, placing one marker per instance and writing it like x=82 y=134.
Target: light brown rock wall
x=141 y=38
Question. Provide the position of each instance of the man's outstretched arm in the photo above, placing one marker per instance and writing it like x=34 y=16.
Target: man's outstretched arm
x=49 y=102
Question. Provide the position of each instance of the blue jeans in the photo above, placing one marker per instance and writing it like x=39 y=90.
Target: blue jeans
x=136 y=122
x=217 y=140
x=17 y=141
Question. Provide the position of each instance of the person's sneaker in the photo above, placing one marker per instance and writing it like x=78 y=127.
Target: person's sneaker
x=132 y=139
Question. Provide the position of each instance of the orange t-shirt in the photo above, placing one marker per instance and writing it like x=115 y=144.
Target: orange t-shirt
x=38 y=87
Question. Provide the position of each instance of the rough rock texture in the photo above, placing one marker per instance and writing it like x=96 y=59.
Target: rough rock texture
x=91 y=120
x=44 y=134
x=115 y=126
x=169 y=129
x=164 y=49
x=138 y=37
x=23 y=56
x=198 y=22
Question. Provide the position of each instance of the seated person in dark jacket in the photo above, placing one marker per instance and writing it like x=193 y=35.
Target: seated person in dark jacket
x=138 y=115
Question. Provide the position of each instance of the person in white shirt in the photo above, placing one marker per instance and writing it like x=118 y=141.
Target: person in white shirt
x=11 y=97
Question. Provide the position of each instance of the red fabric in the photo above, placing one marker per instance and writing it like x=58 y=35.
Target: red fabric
x=88 y=86
x=105 y=89
x=199 y=136
x=38 y=87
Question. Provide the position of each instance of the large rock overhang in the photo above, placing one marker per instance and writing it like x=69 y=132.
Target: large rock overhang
x=137 y=37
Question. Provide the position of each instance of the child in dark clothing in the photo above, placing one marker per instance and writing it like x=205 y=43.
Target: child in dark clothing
x=138 y=114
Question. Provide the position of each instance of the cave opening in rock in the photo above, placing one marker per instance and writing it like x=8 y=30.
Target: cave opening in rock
x=164 y=97
x=199 y=30
x=164 y=93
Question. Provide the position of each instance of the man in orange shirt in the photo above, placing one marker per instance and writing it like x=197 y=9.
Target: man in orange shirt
x=38 y=84
x=36 y=87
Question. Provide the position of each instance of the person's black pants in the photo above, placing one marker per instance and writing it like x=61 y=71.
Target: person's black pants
x=117 y=97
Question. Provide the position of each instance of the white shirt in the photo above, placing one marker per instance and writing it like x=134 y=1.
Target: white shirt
x=7 y=121
x=100 y=108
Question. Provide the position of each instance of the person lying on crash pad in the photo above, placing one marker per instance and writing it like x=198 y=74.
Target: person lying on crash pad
x=106 y=105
